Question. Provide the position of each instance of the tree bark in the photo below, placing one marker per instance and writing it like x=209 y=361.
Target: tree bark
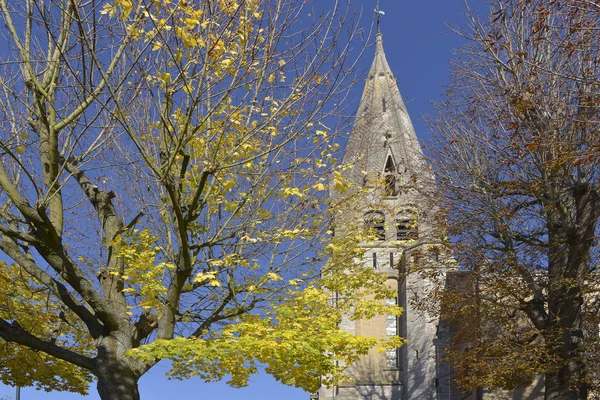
x=560 y=386
x=567 y=381
x=117 y=379
x=118 y=384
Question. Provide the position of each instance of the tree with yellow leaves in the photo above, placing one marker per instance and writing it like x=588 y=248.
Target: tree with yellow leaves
x=163 y=194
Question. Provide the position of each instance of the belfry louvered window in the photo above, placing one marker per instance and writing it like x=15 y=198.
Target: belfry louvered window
x=375 y=221
x=406 y=225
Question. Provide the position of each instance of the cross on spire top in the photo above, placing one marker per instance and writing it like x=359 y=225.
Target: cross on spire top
x=379 y=13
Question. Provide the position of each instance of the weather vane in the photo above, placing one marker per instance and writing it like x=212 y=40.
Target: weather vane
x=379 y=14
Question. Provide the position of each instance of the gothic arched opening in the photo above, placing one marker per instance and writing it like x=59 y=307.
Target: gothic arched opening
x=406 y=225
x=389 y=175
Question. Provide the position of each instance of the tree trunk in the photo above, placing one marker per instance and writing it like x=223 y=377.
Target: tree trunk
x=560 y=386
x=565 y=343
x=568 y=270
x=117 y=379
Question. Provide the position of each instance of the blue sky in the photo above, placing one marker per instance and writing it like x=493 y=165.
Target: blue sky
x=418 y=46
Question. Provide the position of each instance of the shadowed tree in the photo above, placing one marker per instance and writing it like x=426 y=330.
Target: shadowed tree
x=517 y=162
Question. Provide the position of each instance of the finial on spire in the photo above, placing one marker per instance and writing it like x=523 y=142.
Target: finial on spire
x=379 y=36
x=379 y=14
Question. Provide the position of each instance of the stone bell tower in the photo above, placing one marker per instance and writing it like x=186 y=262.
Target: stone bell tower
x=386 y=159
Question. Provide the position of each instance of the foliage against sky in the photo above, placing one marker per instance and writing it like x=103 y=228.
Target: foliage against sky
x=164 y=175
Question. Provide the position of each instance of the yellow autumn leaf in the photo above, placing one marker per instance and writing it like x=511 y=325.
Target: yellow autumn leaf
x=188 y=88
x=209 y=277
x=108 y=9
x=127 y=6
x=272 y=276
x=165 y=77
x=20 y=149
x=292 y=192
x=191 y=22
x=188 y=39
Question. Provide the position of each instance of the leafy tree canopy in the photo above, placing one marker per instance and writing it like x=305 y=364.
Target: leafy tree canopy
x=163 y=194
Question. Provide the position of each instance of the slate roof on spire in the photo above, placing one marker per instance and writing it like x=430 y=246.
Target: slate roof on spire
x=383 y=127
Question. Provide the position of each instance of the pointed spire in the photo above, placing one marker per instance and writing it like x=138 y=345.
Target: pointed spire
x=379 y=44
x=382 y=126
x=380 y=64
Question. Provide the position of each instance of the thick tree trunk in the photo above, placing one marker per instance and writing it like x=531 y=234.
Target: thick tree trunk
x=572 y=241
x=117 y=379
x=565 y=343
x=560 y=385
x=118 y=386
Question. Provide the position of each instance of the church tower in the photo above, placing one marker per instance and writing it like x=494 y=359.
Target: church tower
x=386 y=159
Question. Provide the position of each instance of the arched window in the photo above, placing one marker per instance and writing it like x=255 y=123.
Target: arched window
x=406 y=225
x=389 y=175
x=375 y=221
